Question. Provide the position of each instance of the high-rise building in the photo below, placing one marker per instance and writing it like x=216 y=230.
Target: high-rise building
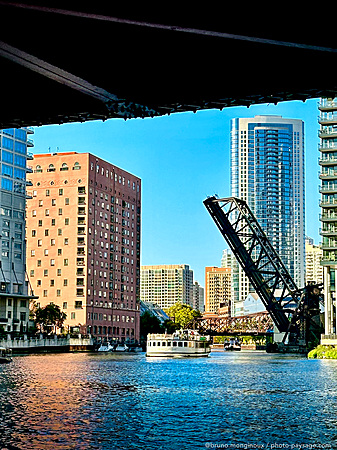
x=267 y=171
x=167 y=284
x=198 y=297
x=217 y=289
x=313 y=256
x=328 y=189
x=14 y=298
x=83 y=242
x=227 y=258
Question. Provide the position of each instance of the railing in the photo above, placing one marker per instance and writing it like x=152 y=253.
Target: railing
x=326 y=103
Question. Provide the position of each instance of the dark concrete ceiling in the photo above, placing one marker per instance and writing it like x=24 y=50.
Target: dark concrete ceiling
x=64 y=61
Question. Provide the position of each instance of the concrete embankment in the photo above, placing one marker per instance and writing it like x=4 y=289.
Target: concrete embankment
x=41 y=344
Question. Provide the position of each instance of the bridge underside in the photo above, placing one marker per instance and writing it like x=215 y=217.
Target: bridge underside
x=76 y=61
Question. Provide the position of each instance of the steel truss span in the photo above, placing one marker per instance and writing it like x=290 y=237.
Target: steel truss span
x=259 y=324
x=294 y=311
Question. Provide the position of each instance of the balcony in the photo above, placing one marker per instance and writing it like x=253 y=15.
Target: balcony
x=331 y=203
x=326 y=104
x=327 y=160
x=327 y=132
x=30 y=156
x=29 y=169
x=329 y=232
x=30 y=143
x=330 y=188
x=328 y=217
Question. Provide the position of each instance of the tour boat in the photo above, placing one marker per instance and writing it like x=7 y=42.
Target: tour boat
x=5 y=355
x=182 y=343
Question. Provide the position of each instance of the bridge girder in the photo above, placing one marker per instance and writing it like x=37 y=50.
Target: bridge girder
x=75 y=61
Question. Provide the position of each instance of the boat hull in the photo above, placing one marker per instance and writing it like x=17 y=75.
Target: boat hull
x=177 y=355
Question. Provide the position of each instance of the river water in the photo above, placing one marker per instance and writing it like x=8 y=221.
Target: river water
x=127 y=401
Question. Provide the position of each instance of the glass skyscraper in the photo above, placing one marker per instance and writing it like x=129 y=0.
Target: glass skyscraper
x=14 y=298
x=267 y=171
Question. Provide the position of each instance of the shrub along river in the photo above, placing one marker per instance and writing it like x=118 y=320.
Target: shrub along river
x=127 y=401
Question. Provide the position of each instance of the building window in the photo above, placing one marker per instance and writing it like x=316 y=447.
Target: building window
x=45 y=293
x=66 y=261
x=65 y=305
x=72 y=315
x=60 y=211
x=52 y=262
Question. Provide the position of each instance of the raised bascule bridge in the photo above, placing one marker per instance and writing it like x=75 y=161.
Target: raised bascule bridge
x=295 y=312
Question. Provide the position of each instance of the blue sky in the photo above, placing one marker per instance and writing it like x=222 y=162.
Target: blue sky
x=181 y=159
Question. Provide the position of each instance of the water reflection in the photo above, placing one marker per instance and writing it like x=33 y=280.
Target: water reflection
x=90 y=401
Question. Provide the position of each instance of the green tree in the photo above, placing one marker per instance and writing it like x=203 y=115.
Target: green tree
x=49 y=318
x=182 y=314
x=149 y=323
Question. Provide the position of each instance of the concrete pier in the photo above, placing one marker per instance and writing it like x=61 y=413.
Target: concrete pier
x=42 y=344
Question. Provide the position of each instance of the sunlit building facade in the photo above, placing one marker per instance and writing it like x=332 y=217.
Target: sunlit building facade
x=83 y=243
x=267 y=171
x=328 y=203
x=167 y=284
x=217 y=289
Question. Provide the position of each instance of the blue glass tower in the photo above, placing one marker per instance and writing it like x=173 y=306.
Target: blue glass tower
x=267 y=171
x=14 y=298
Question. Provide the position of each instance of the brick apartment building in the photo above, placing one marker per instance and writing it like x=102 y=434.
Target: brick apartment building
x=83 y=242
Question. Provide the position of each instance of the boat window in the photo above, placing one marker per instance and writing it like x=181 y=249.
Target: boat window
x=190 y=344
x=149 y=344
x=169 y=343
x=158 y=344
x=174 y=344
x=163 y=344
x=185 y=344
x=180 y=344
x=153 y=344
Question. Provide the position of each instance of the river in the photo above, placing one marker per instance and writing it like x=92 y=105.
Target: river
x=127 y=401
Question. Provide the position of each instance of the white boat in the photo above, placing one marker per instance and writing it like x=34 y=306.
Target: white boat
x=182 y=343
x=232 y=345
x=105 y=347
x=5 y=355
x=121 y=348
